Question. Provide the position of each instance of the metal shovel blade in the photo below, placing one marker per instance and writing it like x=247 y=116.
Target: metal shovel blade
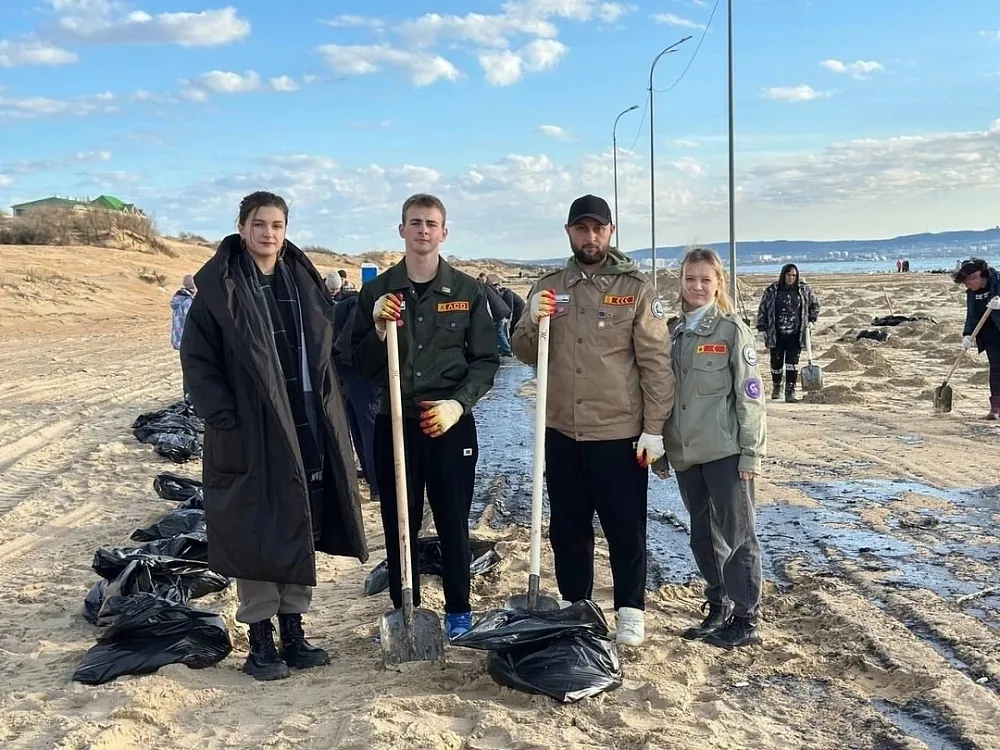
x=942 y=399
x=542 y=603
x=812 y=378
x=421 y=639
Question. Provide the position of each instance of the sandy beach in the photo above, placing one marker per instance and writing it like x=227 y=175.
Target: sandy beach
x=878 y=518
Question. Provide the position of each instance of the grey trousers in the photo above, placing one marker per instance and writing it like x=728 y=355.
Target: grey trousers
x=723 y=533
x=262 y=600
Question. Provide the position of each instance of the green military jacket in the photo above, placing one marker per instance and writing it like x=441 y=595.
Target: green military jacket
x=447 y=343
x=719 y=406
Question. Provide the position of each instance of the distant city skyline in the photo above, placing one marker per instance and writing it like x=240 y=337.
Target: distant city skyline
x=505 y=110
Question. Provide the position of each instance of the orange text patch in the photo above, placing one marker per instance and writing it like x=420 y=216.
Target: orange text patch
x=453 y=306
x=611 y=299
x=712 y=349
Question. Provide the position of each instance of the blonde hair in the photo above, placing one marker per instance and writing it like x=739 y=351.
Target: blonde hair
x=708 y=255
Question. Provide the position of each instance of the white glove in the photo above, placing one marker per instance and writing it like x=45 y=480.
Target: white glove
x=387 y=307
x=968 y=342
x=649 y=449
x=994 y=303
x=437 y=417
x=543 y=303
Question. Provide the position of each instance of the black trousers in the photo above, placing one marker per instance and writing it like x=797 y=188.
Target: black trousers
x=724 y=533
x=446 y=467
x=785 y=358
x=597 y=476
x=992 y=350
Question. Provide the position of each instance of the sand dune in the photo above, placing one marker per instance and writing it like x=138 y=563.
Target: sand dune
x=866 y=642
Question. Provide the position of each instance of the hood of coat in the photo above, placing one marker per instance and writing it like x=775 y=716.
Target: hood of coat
x=784 y=270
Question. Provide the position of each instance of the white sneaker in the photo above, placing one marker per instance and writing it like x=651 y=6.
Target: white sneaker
x=631 y=626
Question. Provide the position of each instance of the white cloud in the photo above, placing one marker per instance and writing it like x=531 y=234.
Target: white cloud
x=858 y=69
x=689 y=166
x=800 y=93
x=284 y=83
x=990 y=34
x=32 y=107
x=348 y=21
x=554 y=131
x=33 y=52
x=40 y=166
x=669 y=19
x=225 y=82
x=520 y=39
x=6 y=180
x=103 y=23
x=684 y=143
x=358 y=59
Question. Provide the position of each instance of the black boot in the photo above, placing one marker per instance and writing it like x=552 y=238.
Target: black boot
x=263 y=662
x=791 y=378
x=738 y=632
x=295 y=649
x=716 y=619
x=776 y=392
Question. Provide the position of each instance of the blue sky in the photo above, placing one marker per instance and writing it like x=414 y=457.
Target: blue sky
x=853 y=119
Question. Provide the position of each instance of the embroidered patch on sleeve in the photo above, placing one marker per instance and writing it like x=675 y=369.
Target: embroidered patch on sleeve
x=619 y=300
x=750 y=355
x=752 y=387
x=712 y=349
x=656 y=307
x=459 y=306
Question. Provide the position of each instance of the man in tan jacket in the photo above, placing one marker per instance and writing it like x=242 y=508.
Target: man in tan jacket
x=610 y=391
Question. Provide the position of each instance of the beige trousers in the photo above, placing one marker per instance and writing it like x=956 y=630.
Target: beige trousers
x=262 y=600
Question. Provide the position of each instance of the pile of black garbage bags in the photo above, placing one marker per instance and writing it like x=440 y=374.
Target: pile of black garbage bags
x=174 y=432
x=141 y=603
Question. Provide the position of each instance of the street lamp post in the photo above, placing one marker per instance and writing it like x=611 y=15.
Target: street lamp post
x=652 y=171
x=614 y=152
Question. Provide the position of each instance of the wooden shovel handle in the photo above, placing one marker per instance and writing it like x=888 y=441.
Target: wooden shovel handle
x=399 y=455
x=975 y=332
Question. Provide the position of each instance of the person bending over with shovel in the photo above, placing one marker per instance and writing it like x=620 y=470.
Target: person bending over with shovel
x=982 y=293
x=448 y=354
x=609 y=393
x=787 y=308
x=715 y=440
x=279 y=476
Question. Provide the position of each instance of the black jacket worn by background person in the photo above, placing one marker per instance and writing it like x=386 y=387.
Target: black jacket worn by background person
x=975 y=305
x=515 y=302
x=767 y=314
x=447 y=343
x=343 y=324
x=255 y=489
x=498 y=308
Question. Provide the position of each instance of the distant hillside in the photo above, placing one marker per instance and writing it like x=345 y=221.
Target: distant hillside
x=905 y=245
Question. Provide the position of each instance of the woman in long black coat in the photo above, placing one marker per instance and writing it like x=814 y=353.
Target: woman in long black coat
x=278 y=469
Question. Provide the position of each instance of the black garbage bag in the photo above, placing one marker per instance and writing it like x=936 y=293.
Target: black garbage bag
x=567 y=655
x=177 y=419
x=145 y=632
x=109 y=563
x=176 y=522
x=168 y=577
x=895 y=320
x=93 y=601
x=178 y=448
x=484 y=558
x=873 y=335
x=175 y=487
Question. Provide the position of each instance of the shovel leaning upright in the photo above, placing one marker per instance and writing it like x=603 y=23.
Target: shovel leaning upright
x=943 y=393
x=812 y=375
x=409 y=633
x=532 y=600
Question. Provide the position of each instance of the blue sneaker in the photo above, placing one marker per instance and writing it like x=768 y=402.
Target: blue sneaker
x=457 y=624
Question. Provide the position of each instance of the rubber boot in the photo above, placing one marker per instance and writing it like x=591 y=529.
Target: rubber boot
x=718 y=615
x=776 y=391
x=994 y=408
x=738 y=632
x=263 y=662
x=790 y=381
x=295 y=649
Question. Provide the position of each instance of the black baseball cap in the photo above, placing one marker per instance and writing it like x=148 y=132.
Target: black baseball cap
x=589 y=207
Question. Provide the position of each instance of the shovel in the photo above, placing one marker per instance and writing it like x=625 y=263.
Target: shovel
x=406 y=634
x=533 y=601
x=943 y=394
x=812 y=375
x=887 y=302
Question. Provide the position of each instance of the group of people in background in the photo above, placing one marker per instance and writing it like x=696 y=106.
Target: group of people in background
x=290 y=373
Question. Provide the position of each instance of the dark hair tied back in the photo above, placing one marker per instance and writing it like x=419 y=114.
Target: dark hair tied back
x=260 y=199
x=969 y=267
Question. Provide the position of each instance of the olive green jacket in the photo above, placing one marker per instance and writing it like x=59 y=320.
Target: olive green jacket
x=719 y=406
x=447 y=343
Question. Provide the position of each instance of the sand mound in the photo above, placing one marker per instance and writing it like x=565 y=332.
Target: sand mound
x=868 y=356
x=859 y=305
x=980 y=378
x=855 y=321
x=836 y=352
x=843 y=364
x=952 y=338
x=911 y=382
x=868 y=386
x=836 y=394
x=882 y=370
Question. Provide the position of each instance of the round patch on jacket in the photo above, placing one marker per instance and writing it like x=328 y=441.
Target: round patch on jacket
x=750 y=355
x=656 y=307
x=752 y=387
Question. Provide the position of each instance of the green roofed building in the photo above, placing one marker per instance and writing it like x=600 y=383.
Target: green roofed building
x=100 y=203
